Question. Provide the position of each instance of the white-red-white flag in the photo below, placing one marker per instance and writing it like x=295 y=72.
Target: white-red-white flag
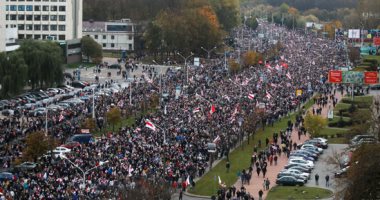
x=219 y=180
x=251 y=96
x=61 y=117
x=130 y=170
x=187 y=181
x=217 y=139
x=273 y=85
x=268 y=95
x=288 y=75
x=150 y=125
x=196 y=110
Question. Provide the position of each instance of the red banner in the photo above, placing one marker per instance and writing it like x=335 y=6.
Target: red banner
x=371 y=78
x=335 y=76
x=376 y=41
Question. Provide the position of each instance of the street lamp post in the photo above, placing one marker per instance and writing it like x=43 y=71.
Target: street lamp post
x=83 y=171
x=187 y=69
x=208 y=51
x=46 y=120
x=93 y=103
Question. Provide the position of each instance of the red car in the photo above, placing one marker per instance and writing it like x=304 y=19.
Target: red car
x=71 y=145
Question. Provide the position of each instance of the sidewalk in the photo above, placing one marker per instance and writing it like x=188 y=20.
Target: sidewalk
x=257 y=182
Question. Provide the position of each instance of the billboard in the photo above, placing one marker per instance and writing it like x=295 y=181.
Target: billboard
x=371 y=78
x=376 y=41
x=335 y=76
x=354 y=33
x=352 y=77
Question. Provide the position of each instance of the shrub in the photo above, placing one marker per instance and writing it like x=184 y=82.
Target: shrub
x=352 y=108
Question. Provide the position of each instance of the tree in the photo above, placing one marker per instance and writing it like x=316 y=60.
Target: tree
x=227 y=12
x=234 y=66
x=91 y=49
x=89 y=123
x=114 y=116
x=250 y=58
x=45 y=62
x=37 y=144
x=13 y=73
x=252 y=23
x=314 y=124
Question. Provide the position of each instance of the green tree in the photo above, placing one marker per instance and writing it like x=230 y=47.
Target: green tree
x=314 y=124
x=252 y=23
x=234 y=66
x=13 y=74
x=37 y=144
x=91 y=49
x=114 y=117
x=227 y=12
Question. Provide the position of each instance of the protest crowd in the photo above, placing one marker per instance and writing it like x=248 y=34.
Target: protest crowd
x=171 y=143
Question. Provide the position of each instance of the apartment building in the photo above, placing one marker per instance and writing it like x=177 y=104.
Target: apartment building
x=111 y=35
x=59 y=20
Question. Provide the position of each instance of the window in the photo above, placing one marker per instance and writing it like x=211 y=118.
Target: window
x=45 y=17
x=53 y=27
x=62 y=18
x=13 y=8
x=13 y=17
x=112 y=37
x=37 y=27
x=21 y=17
x=37 y=17
x=62 y=28
x=130 y=47
x=61 y=37
x=112 y=45
x=45 y=27
x=53 y=17
x=29 y=17
x=37 y=37
x=53 y=8
x=129 y=37
x=7 y=7
x=45 y=8
x=7 y=18
x=29 y=8
x=29 y=27
x=96 y=36
x=44 y=37
x=37 y=8
x=104 y=37
x=21 y=8
x=104 y=45
x=119 y=28
x=29 y=36
x=62 y=8
x=21 y=36
x=21 y=27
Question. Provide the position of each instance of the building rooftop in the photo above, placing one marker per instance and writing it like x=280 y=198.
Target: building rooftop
x=93 y=26
x=101 y=26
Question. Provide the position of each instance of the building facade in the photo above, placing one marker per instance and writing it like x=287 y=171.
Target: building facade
x=59 y=20
x=112 y=35
x=2 y=27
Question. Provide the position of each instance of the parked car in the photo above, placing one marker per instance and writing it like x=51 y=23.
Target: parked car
x=291 y=165
x=6 y=176
x=297 y=172
x=78 y=84
x=363 y=141
x=300 y=168
x=26 y=166
x=71 y=145
x=311 y=146
x=289 y=180
x=341 y=173
x=286 y=173
x=306 y=152
x=359 y=137
x=301 y=161
x=81 y=138
x=300 y=155
x=317 y=143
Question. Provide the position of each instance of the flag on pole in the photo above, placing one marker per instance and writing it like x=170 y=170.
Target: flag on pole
x=282 y=57
x=188 y=181
x=216 y=140
x=165 y=110
x=251 y=96
x=219 y=180
x=278 y=68
x=288 y=75
x=61 y=117
x=130 y=170
x=268 y=66
x=150 y=125
x=212 y=110
x=268 y=95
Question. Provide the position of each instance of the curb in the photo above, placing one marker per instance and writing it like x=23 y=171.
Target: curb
x=196 y=196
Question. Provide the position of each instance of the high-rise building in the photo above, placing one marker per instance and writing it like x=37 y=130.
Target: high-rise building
x=2 y=27
x=45 y=19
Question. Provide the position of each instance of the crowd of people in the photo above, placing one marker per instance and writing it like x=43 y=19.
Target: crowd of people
x=210 y=109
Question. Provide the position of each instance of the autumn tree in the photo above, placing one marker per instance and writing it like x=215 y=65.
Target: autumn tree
x=330 y=28
x=234 y=66
x=314 y=124
x=89 y=123
x=250 y=58
x=37 y=144
x=114 y=117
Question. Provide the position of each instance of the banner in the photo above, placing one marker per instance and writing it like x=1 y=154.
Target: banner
x=376 y=41
x=371 y=78
x=335 y=76
x=353 y=77
x=298 y=93
x=354 y=33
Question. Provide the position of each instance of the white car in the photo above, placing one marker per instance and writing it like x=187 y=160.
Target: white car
x=301 y=161
x=61 y=150
x=310 y=146
x=297 y=172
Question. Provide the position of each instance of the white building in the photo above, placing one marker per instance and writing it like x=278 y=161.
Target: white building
x=112 y=35
x=2 y=27
x=45 y=19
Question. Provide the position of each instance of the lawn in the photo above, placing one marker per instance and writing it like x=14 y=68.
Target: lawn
x=239 y=159
x=372 y=57
x=331 y=132
x=341 y=106
x=296 y=192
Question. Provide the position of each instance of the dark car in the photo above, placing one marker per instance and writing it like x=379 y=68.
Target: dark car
x=6 y=176
x=289 y=180
x=296 y=165
x=282 y=174
x=78 y=84
x=81 y=138
x=71 y=145
x=26 y=166
x=114 y=66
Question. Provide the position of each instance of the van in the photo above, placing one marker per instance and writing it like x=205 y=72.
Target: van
x=357 y=138
x=81 y=138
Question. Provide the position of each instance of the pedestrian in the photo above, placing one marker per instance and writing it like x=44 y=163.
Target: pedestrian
x=228 y=166
x=264 y=184
x=258 y=171
x=327 y=180
x=264 y=171
x=261 y=195
x=275 y=159
x=316 y=178
x=180 y=195
x=267 y=184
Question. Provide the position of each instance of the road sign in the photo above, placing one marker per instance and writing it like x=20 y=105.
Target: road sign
x=352 y=77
